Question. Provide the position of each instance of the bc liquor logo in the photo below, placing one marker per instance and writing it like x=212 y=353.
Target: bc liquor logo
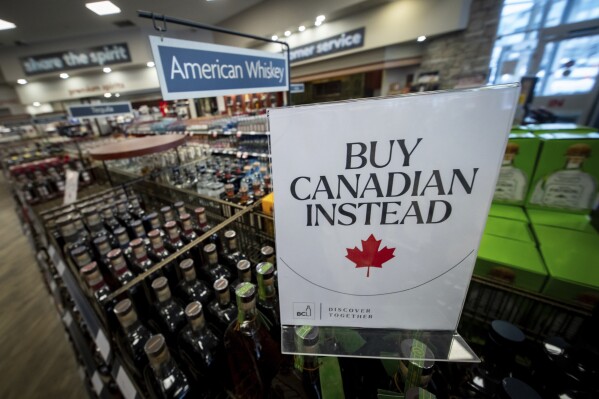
x=303 y=310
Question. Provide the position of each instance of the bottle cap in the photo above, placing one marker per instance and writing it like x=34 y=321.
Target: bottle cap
x=165 y=209
x=136 y=242
x=115 y=253
x=230 y=234
x=154 y=233
x=184 y=217
x=160 y=284
x=170 y=225
x=200 y=209
x=245 y=292
x=123 y=307
x=221 y=284
x=155 y=347
x=186 y=264
x=135 y=224
x=265 y=269
x=267 y=251
x=89 y=269
x=418 y=354
x=505 y=333
x=119 y=231
x=193 y=310
x=81 y=256
x=244 y=265
x=209 y=248
x=308 y=335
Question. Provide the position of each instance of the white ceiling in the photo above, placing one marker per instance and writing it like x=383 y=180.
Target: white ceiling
x=40 y=21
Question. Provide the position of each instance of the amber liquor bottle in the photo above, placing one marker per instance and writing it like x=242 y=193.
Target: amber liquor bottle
x=268 y=301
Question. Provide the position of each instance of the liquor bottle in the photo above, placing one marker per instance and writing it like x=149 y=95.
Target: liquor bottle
x=110 y=222
x=136 y=334
x=243 y=197
x=571 y=187
x=244 y=274
x=80 y=226
x=180 y=208
x=119 y=266
x=204 y=227
x=415 y=369
x=303 y=380
x=152 y=222
x=200 y=344
x=168 y=376
x=98 y=288
x=222 y=309
x=268 y=301
x=267 y=185
x=138 y=229
x=102 y=248
x=94 y=222
x=232 y=255
x=169 y=311
x=214 y=270
x=512 y=182
x=267 y=253
x=159 y=253
x=190 y=288
x=253 y=356
x=135 y=208
x=140 y=262
x=68 y=233
x=122 y=239
x=187 y=234
x=173 y=238
x=123 y=212
x=81 y=256
x=167 y=214
x=229 y=194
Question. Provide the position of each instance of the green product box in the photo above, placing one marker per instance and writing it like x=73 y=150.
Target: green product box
x=572 y=221
x=559 y=128
x=506 y=228
x=517 y=168
x=567 y=173
x=572 y=259
x=513 y=262
x=508 y=212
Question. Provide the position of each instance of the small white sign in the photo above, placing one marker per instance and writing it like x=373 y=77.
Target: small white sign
x=70 y=187
x=381 y=205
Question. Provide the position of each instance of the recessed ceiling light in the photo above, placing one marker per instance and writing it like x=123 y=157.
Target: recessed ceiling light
x=107 y=69
x=117 y=94
x=22 y=81
x=150 y=64
x=320 y=18
x=301 y=28
x=275 y=37
x=107 y=95
x=64 y=75
x=6 y=25
x=103 y=7
x=421 y=38
x=287 y=33
x=318 y=22
x=36 y=104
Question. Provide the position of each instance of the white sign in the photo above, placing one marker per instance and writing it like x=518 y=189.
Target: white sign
x=70 y=187
x=188 y=69
x=381 y=205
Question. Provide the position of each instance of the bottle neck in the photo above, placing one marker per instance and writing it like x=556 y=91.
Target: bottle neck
x=266 y=289
x=573 y=163
x=247 y=317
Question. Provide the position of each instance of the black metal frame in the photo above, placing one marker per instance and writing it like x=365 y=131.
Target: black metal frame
x=154 y=17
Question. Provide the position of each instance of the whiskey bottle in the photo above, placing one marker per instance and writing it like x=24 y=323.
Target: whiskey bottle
x=232 y=254
x=153 y=223
x=102 y=247
x=222 y=309
x=98 y=288
x=303 y=380
x=214 y=270
x=135 y=208
x=159 y=253
x=94 y=222
x=137 y=228
x=122 y=239
x=68 y=233
x=168 y=376
x=82 y=232
x=140 y=261
x=119 y=267
x=204 y=227
x=244 y=274
x=136 y=334
x=81 y=256
x=173 y=238
x=267 y=253
x=200 y=343
x=253 y=356
x=190 y=288
x=180 y=208
x=169 y=311
x=268 y=301
x=188 y=234
x=123 y=212
x=167 y=214
x=110 y=222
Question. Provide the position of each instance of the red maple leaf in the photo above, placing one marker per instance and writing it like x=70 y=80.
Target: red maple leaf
x=370 y=256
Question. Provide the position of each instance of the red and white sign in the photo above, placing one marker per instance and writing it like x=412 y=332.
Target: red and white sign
x=381 y=204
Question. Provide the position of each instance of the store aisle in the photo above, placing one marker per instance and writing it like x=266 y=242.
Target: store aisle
x=36 y=361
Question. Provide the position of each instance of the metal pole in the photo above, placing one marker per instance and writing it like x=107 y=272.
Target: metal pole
x=107 y=174
x=185 y=22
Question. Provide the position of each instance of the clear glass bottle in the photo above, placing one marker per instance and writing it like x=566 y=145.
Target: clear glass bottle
x=190 y=288
x=268 y=300
x=201 y=344
x=213 y=269
x=222 y=309
x=253 y=356
x=232 y=255
x=172 y=381
x=169 y=311
x=136 y=334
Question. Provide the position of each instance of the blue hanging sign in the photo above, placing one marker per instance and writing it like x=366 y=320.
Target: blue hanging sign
x=297 y=88
x=188 y=69
x=99 y=110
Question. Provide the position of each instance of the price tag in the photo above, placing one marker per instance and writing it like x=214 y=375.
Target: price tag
x=103 y=345
x=125 y=385
x=97 y=383
x=70 y=187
